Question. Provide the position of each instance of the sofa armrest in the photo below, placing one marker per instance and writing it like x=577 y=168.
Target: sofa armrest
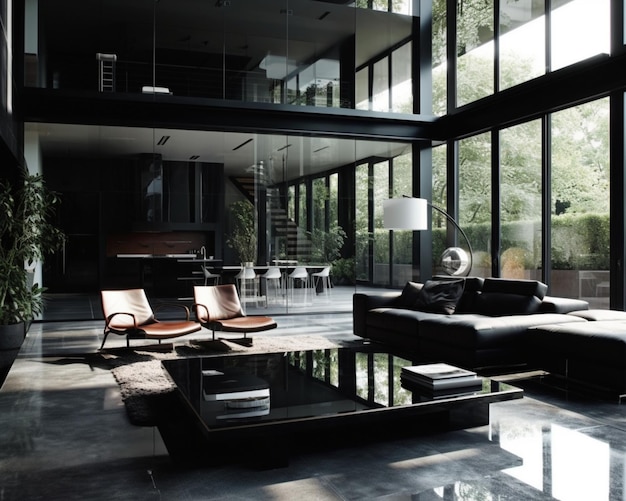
x=363 y=302
x=552 y=304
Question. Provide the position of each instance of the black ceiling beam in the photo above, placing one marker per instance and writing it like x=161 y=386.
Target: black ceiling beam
x=582 y=82
x=166 y=111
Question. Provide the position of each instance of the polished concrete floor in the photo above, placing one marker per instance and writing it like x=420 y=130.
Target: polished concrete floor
x=65 y=435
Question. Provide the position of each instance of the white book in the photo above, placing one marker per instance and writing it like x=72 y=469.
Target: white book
x=437 y=371
x=440 y=376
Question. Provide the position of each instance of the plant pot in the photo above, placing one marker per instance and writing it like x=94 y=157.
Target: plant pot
x=11 y=339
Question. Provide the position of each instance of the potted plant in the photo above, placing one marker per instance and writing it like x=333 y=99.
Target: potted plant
x=26 y=235
x=243 y=239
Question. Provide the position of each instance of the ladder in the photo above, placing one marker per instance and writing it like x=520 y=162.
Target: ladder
x=106 y=72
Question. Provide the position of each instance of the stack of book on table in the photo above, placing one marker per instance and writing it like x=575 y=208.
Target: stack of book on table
x=438 y=380
x=240 y=394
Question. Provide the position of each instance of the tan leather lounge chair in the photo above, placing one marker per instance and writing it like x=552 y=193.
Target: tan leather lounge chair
x=218 y=308
x=128 y=313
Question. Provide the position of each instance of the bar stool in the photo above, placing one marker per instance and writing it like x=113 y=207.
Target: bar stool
x=272 y=277
x=209 y=276
x=247 y=283
x=322 y=278
x=299 y=275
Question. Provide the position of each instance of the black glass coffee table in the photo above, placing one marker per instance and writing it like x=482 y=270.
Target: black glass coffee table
x=262 y=403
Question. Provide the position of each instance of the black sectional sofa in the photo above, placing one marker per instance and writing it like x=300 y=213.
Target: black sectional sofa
x=472 y=322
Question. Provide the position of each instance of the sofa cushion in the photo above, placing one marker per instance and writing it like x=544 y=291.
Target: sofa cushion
x=471 y=287
x=597 y=315
x=440 y=296
x=409 y=295
x=397 y=320
x=501 y=297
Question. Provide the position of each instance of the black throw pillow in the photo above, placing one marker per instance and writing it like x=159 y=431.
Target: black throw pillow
x=409 y=295
x=440 y=296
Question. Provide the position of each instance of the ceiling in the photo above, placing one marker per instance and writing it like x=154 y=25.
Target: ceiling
x=302 y=155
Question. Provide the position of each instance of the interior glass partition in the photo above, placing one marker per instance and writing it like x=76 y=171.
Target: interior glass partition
x=401 y=252
x=297 y=52
x=178 y=201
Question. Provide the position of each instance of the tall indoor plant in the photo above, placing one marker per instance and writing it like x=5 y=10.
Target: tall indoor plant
x=26 y=235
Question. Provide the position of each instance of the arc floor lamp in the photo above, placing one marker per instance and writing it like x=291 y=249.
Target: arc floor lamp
x=410 y=213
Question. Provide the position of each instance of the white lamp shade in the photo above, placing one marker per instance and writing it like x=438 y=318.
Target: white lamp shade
x=405 y=214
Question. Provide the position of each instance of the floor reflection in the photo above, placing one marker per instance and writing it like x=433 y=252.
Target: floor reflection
x=66 y=436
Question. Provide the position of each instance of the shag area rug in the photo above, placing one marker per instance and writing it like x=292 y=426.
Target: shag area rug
x=144 y=383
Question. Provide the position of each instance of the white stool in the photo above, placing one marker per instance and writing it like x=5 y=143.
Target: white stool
x=209 y=276
x=272 y=277
x=301 y=275
x=247 y=283
x=322 y=277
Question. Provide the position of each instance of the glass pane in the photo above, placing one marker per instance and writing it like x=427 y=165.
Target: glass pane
x=580 y=29
x=380 y=88
x=439 y=199
x=333 y=198
x=580 y=203
x=319 y=234
x=475 y=200
x=522 y=41
x=361 y=200
x=362 y=92
x=381 y=378
x=475 y=50
x=440 y=77
x=440 y=178
x=402 y=7
x=372 y=56
x=520 y=212
x=401 y=81
x=402 y=240
x=381 y=235
x=301 y=208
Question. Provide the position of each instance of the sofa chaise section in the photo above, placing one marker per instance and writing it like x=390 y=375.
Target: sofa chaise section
x=592 y=352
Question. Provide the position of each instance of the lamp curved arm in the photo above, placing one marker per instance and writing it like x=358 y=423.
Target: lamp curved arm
x=456 y=225
x=410 y=213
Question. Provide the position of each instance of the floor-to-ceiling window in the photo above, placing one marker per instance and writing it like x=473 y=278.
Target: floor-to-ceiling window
x=580 y=202
x=475 y=56
x=520 y=200
x=522 y=41
x=580 y=29
x=572 y=144
x=475 y=187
